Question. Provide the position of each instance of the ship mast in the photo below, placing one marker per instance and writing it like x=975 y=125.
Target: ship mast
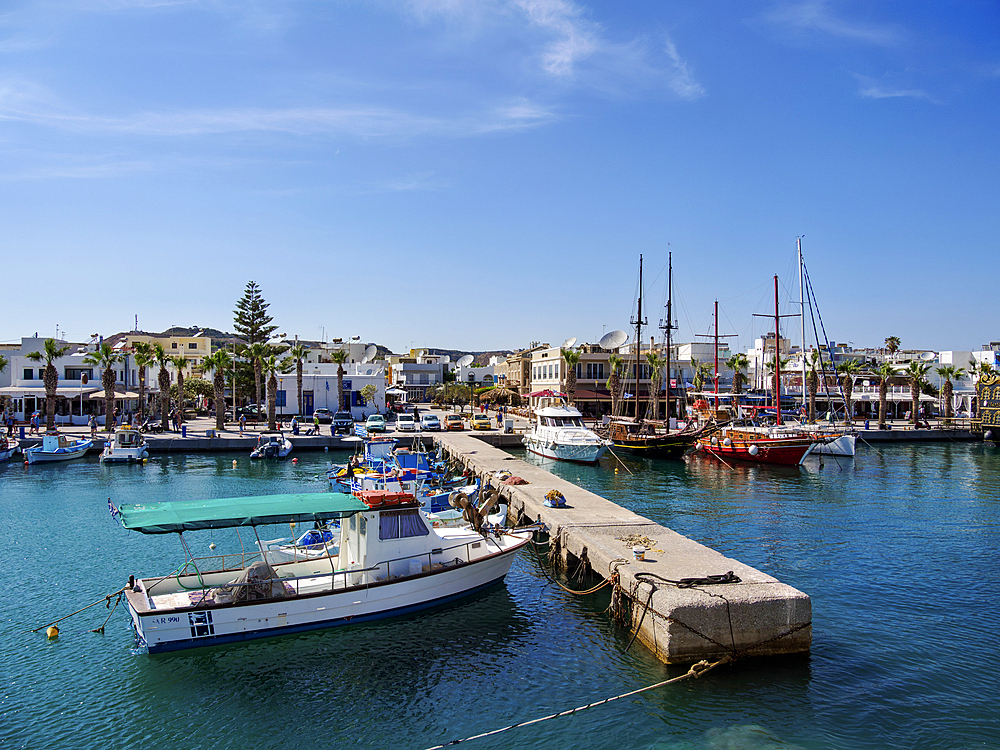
x=638 y=323
x=802 y=321
x=666 y=327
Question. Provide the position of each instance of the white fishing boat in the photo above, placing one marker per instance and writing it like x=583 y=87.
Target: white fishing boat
x=55 y=447
x=126 y=445
x=9 y=445
x=272 y=444
x=390 y=561
x=836 y=442
x=558 y=432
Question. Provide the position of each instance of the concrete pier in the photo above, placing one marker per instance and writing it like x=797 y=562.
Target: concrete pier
x=760 y=616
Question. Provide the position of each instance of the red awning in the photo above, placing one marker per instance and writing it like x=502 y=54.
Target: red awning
x=547 y=393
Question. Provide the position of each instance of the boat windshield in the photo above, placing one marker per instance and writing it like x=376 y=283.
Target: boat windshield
x=562 y=421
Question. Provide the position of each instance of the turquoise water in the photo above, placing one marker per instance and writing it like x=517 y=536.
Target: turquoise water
x=897 y=548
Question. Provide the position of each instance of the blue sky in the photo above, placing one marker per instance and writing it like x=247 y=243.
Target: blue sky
x=480 y=175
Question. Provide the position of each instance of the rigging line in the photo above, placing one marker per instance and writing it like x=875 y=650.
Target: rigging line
x=743 y=294
x=814 y=301
x=696 y=670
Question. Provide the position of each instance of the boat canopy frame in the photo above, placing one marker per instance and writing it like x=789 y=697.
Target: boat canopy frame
x=174 y=517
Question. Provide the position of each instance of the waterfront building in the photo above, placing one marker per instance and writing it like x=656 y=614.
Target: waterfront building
x=319 y=389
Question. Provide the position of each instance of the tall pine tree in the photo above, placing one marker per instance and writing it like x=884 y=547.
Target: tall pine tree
x=253 y=325
x=251 y=321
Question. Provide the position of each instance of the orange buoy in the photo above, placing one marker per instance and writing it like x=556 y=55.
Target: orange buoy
x=52 y=632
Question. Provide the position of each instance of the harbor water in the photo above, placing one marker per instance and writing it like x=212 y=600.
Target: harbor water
x=898 y=549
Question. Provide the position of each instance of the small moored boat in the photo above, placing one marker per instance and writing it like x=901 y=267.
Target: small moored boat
x=272 y=444
x=126 y=445
x=390 y=561
x=56 y=447
x=9 y=445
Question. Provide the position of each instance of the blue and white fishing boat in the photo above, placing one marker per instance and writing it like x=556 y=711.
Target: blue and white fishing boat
x=390 y=561
x=57 y=447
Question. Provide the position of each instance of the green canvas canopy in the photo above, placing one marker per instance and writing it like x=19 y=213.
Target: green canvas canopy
x=224 y=513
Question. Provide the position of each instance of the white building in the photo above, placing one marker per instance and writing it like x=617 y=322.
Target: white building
x=76 y=399
x=319 y=389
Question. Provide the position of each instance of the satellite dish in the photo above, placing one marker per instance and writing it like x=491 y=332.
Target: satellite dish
x=568 y=343
x=465 y=361
x=928 y=356
x=371 y=351
x=613 y=339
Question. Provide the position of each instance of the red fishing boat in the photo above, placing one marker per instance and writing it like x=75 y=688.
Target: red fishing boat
x=766 y=445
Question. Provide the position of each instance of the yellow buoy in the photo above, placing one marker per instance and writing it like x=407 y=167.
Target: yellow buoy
x=52 y=632
x=234 y=463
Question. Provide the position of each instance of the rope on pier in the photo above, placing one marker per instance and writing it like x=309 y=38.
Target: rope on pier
x=696 y=670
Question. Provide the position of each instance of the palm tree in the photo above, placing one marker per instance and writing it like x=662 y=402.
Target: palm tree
x=296 y=355
x=916 y=373
x=257 y=353
x=106 y=358
x=50 y=353
x=270 y=365
x=162 y=359
x=615 y=382
x=848 y=370
x=3 y=368
x=892 y=344
x=340 y=357
x=884 y=371
x=181 y=365
x=143 y=352
x=949 y=373
x=572 y=359
x=218 y=363
x=737 y=363
x=656 y=363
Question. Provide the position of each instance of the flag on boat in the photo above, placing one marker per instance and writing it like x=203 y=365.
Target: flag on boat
x=361 y=431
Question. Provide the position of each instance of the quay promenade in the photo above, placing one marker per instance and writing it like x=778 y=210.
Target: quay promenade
x=200 y=435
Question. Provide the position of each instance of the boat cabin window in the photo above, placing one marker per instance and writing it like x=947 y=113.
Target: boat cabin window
x=363 y=524
x=399 y=524
x=354 y=523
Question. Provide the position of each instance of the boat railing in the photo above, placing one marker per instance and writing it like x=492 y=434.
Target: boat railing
x=400 y=566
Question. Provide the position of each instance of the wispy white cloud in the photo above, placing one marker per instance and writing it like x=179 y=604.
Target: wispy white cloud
x=681 y=79
x=817 y=16
x=872 y=89
x=23 y=103
x=425 y=182
x=571 y=48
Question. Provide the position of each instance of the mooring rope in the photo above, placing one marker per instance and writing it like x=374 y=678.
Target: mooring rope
x=696 y=670
x=105 y=599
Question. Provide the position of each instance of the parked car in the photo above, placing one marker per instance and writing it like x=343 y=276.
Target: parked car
x=375 y=423
x=481 y=422
x=343 y=421
x=406 y=423
x=430 y=422
x=454 y=422
x=324 y=415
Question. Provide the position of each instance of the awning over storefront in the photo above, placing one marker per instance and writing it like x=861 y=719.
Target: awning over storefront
x=22 y=391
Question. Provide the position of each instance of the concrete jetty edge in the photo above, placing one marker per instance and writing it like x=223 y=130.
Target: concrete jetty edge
x=760 y=616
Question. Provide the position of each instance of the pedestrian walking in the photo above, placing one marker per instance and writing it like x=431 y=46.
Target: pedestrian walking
x=92 y=422
x=315 y=424
x=243 y=423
